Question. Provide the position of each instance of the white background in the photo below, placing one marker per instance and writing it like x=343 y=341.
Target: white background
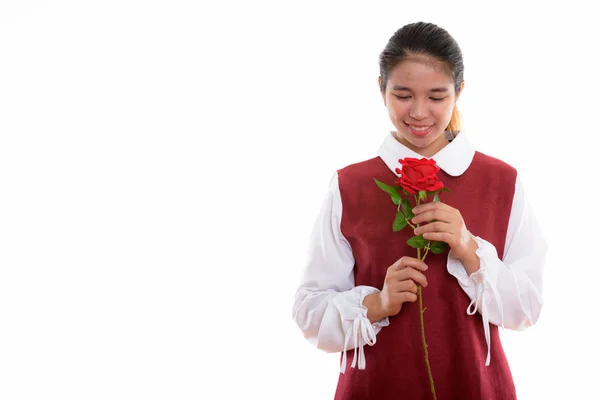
x=162 y=163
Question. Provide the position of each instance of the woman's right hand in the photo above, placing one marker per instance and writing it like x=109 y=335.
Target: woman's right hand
x=400 y=286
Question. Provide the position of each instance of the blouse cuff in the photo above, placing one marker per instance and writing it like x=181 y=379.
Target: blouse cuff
x=480 y=284
x=356 y=325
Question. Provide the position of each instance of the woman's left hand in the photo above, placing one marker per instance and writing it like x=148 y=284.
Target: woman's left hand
x=448 y=227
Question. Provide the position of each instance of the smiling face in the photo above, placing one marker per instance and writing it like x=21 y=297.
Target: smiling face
x=420 y=97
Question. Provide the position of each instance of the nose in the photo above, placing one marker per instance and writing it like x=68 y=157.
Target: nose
x=418 y=110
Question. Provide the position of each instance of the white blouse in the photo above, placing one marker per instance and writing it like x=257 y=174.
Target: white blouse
x=507 y=292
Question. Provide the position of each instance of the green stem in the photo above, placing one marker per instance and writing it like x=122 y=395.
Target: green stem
x=407 y=220
x=425 y=344
x=426 y=251
x=421 y=311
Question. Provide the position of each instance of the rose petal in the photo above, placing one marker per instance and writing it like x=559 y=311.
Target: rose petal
x=405 y=185
x=411 y=173
x=436 y=186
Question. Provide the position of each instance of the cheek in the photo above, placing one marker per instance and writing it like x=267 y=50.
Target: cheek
x=397 y=109
x=444 y=112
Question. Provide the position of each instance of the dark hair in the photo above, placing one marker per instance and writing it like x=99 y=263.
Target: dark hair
x=424 y=39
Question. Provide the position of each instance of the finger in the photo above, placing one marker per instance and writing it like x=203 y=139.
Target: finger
x=436 y=214
x=433 y=205
x=407 y=285
x=437 y=226
x=439 y=236
x=404 y=297
x=410 y=273
x=405 y=262
x=410 y=286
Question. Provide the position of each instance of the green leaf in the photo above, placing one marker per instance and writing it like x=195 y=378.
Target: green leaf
x=390 y=190
x=407 y=209
x=439 y=247
x=444 y=189
x=436 y=198
x=417 y=242
x=422 y=195
x=384 y=187
x=399 y=222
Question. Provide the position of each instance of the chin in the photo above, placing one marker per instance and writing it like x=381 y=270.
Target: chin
x=429 y=138
x=416 y=141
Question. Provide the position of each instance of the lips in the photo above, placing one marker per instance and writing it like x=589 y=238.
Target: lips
x=419 y=130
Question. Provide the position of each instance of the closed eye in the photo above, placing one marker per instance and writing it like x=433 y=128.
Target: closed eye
x=408 y=97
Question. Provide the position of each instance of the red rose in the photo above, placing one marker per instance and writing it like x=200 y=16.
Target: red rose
x=417 y=175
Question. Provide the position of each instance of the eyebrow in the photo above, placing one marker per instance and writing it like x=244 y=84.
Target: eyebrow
x=437 y=90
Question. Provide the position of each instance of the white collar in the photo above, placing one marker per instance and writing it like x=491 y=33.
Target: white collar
x=454 y=158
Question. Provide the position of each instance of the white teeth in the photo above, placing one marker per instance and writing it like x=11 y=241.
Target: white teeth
x=419 y=129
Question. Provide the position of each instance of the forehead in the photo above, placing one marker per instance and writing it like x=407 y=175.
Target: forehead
x=420 y=73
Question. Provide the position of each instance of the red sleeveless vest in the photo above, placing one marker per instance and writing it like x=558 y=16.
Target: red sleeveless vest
x=396 y=366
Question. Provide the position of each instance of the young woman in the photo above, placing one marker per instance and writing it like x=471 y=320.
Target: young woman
x=361 y=278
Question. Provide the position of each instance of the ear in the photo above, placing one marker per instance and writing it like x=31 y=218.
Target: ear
x=379 y=86
x=462 y=86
